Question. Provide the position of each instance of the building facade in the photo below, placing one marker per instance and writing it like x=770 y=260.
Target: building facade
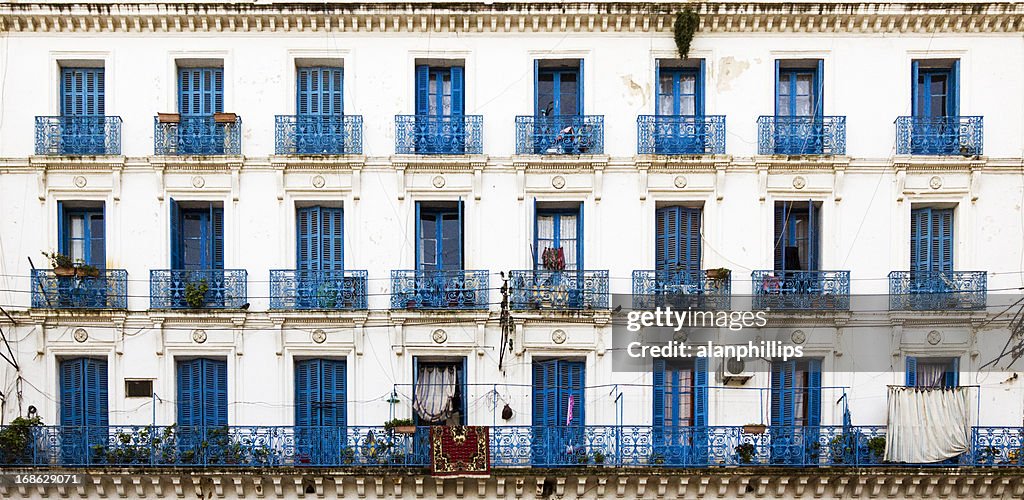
x=294 y=222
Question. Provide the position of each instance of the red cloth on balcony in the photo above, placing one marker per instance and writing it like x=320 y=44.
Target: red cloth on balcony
x=460 y=451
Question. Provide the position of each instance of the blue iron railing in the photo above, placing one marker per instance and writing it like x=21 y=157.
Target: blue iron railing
x=197 y=135
x=543 y=289
x=808 y=290
x=321 y=289
x=170 y=288
x=78 y=135
x=450 y=289
x=439 y=135
x=680 y=135
x=942 y=135
x=680 y=289
x=937 y=290
x=801 y=135
x=109 y=290
x=510 y=446
x=558 y=135
x=318 y=135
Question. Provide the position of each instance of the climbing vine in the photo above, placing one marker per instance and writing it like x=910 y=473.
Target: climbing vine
x=685 y=26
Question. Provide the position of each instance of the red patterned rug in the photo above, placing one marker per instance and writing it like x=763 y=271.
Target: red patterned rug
x=460 y=451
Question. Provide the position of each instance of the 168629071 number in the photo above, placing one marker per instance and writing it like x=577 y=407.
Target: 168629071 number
x=43 y=479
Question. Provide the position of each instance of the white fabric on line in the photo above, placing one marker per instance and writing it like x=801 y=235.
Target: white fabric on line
x=927 y=424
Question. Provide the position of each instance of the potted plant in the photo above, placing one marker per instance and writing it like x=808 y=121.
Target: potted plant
x=168 y=118
x=195 y=293
x=598 y=457
x=876 y=446
x=745 y=453
x=754 y=429
x=62 y=264
x=719 y=273
x=401 y=426
x=83 y=270
x=225 y=118
x=16 y=440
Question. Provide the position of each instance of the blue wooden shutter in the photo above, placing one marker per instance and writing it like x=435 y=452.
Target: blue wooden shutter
x=783 y=375
x=813 y=392
x=536 y=89
x=544 y=394
x=200 y=91
x=812 y=236
x=419 y=237
x=951 y=378
x=659 y=393
x=782 y=215
x=217 y=236
x=666 y=240
x=333 y=393
x=699 y=88
x=215 y=404
x=332 y=236
x=911 y=371
x=190 y=401
x=915 y=74
x=319 y=91
x=422 y=90
x=700 y=392
x=82 y=92
x=307 y=392
x=953 y=107
x=579 y=235
x=175 y=236
x=775 y=89
x=919 y=245
x=460 y=228
x=62 y=236
x=942 y=240
x=306 y=225
x=579 y=100
x=819 y=89
x=458 y=91
x=72 y=392
x=572 y=377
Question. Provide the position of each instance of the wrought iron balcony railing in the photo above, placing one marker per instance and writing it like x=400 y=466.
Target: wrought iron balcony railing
x=510 y=446
x=806 y=290
x=450 y=289
x=324 y=289
x=108 y=290
x=543 y=289
x=439 y=135
x=941 y=135
x=197 y=288
x=801 y=135
x=318 y=135
x=560 y=135
x=680 y=135
x=197 y=135
x=78 y=135
x=937 y=290
x=680 y=289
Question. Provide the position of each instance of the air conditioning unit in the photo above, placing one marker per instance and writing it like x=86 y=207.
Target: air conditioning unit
x=734 y=371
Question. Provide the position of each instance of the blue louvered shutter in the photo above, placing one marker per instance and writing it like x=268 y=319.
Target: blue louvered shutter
x=458 y=90
x=777 y=387
x=579 y=234
x=778 y=76
x=915 y=100
x=571 y=375
x=700 y=392
x=460 y=244
x=813 y=392
x=62 y=236
x=175 y=236
x=659 y=392
x=216 y=243
x=911 y=371
x=819 y=88
x=319 y=91
x=306 y=393
x=942 y=240
x=190 y=402
x=215 y=399
x=919 y=246
x=953 y=94
x=332 y=235
x=579 y=92
x=812 y=236
x=72 y=392
x=783 y=374
x=307 y=225
x=422 y=90
x=699 y=88
x=333 y=393
x=952 y=376
x=666 y=246
x=544 y=392
x=200 y=91
x=82 y=92
x=95 y=392
x=782 y=214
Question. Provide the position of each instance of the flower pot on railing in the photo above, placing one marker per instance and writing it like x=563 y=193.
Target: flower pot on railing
x=168 y=117
x=754 y=429
x=225 y=118
x=720 y=273
x=87 y=272
x=405 y=429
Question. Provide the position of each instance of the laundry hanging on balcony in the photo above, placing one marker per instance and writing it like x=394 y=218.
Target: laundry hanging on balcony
x=927 y=424
x=435 y=390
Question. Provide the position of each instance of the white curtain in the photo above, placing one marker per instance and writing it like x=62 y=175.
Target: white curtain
x=927 y=424
x=435 y=389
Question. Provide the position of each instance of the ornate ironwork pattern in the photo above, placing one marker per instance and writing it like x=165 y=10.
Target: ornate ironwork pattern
x=680 y=135
x=318 y=135
x=225 y=288
x=78 y=135
x=197 y=135
x=937 y=290
x=560 y=135
x=808 y=290
x=542 y=289
x=324 y=289
x=941 y=135
x=420 y=289
x=511 y=446
x=681 y=289
x=109 y=290
x=439 y=135
x=801 y=135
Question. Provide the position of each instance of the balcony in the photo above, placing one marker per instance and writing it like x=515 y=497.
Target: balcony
x=937 y=290
x=439 y=135
x=560 y=135
x=318 y=135
x=559 y=290
x=943 y=135
x=418 y=289
x=109 y=290
x=510 y=446
x=801 y=135
x=680 y=135
x=801 y=290
x=197 y=288
x=312 y=290
x=680 y=289
x=197 y=135
x=78 y=135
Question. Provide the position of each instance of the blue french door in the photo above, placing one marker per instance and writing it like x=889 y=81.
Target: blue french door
x=795 y=411
x=679 y=126
x=83 y=409
x=936 y=103
x=796 y=236
x=319 y=106
x=83 y=130
x=202 y=393
x=931 y=252
x=197 y=236
x=320 y=250
x=438 y=237
x=558 y=105
x=679 y=431
x=200 y=95
x=677 y=243
x=798 y=109
x=559 y=436
x=81 y=233
x=440 y=101
x=320 y=411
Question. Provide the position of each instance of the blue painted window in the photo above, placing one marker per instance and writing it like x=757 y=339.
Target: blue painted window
x=202 y=392
x=439 y=236
x=81 y=232
x=931 y=239
x=559 y=228
x=681 y=392
x=200 y=91
x=320 y=238
x=680 y=90
x=81 y=92
x=83 y=392
x=935 y=88
x=319 y=91
x=796 y=236
x=553 y=382
x=933 y=372
x=320 y=392
x=677 y=238
x=433 y=377
x=798 y=89
x=558 y=88
x=197 y=235
x=796 y=393
x=440 y=91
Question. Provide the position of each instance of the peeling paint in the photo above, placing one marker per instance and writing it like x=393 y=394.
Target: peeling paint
x=728 y=70
x=635 y=90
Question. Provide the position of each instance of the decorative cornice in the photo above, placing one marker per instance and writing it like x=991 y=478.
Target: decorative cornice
x=513 y=17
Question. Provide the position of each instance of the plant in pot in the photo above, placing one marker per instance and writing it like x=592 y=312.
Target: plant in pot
x=83 y=270
x=62 y=264
x=876 y=446
x=401 y=425
x=16 y=440
x=745 y=453
x=719 y=273
x=598 y=457
x=195 y=293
